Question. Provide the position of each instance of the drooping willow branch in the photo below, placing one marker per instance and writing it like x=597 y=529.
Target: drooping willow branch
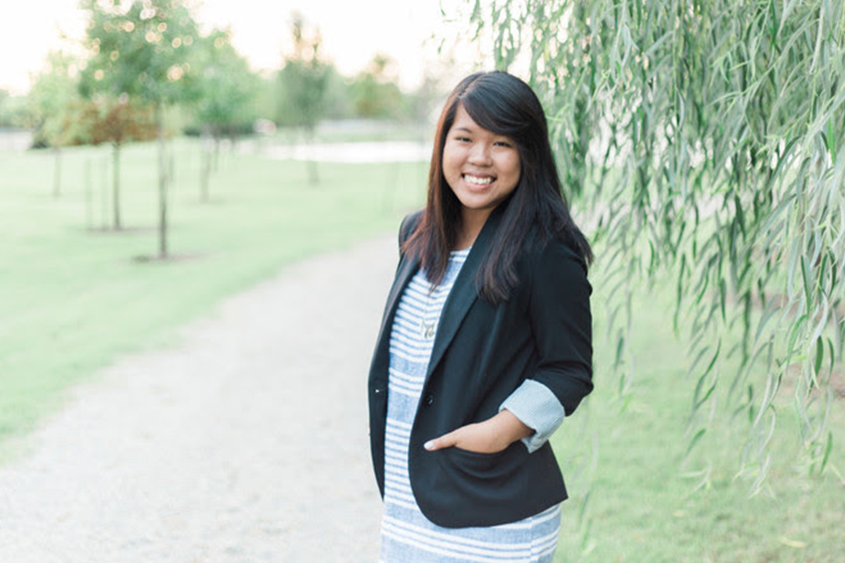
x=705 y=138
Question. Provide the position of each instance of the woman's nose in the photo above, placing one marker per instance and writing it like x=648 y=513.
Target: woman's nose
x=480 y=154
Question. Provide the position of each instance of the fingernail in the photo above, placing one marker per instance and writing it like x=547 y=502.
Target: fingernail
x=429 y=445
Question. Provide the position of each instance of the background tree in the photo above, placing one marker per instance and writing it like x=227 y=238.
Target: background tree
x=5 y=96
x=141 y=50
x=8 y=109
x=117 y=122
x=302 y=84
x=337 y=99
x=227 y=90
x=708 y=137
x=53 y=109
x=375 y=92
x=424 y=101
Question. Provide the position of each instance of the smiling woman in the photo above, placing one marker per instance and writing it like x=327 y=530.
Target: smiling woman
x=485 y=344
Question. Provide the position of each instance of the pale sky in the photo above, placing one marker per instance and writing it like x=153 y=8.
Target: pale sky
x=353 y=31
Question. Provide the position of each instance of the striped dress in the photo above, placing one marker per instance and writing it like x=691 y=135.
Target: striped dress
x=407 y=536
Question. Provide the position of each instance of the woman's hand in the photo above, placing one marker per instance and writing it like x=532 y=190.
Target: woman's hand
x=488 y=437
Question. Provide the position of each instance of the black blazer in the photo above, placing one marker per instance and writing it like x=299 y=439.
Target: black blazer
x=481 y=354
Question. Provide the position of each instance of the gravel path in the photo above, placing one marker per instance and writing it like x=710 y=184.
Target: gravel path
x=246 y=442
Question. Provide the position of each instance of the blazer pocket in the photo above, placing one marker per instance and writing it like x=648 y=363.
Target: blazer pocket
x=485 y=467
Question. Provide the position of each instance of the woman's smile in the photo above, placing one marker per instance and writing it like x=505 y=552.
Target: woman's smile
x=478 y=180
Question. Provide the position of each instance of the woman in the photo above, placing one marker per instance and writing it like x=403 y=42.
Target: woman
x=485 y=344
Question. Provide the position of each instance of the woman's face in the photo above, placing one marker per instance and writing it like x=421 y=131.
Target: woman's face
x=480 y=166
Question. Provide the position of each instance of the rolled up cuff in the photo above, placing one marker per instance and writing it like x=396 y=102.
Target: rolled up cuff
x=538 y=408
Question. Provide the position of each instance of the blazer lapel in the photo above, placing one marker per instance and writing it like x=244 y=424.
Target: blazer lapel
x=464 y=292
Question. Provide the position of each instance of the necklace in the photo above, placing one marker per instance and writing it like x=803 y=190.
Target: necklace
x=427 y=329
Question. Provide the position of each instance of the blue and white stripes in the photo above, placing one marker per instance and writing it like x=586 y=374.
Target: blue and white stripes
x=407 y=536
x=531 y=540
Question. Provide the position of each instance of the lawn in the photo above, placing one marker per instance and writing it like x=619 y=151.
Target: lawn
x=74 y=296
x=634 y=498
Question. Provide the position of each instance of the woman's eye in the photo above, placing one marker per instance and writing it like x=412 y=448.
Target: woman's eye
x=503 y=144
x=463 y=139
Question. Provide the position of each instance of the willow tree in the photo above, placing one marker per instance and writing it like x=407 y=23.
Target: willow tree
x=706 y=137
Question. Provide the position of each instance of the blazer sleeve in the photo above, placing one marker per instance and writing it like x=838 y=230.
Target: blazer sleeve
x=559 y=312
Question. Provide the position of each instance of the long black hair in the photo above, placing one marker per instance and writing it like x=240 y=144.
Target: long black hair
x=535 y=212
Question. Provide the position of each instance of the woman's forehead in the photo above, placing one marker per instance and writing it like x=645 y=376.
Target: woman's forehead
x=464 y=122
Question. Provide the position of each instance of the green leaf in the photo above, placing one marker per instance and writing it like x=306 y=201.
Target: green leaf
x=827 y=450
x=694 y=441
x=817 y=364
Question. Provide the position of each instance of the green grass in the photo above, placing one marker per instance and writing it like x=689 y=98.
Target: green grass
x=634 y=498
x=73 y=299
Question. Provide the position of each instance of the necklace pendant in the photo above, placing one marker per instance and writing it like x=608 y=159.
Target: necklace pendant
x=426 y=330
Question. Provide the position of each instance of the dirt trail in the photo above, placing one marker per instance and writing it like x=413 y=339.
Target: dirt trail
x=246 y=442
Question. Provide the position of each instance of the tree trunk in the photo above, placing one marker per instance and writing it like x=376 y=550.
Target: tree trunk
x=313 y=177
x=205 y=172
x=162 y=184
x=205 y=161
x=89 y=196
x=217 y=134
x=104 y=193
x=57 y=172
x=233 y=139
x=116 y=186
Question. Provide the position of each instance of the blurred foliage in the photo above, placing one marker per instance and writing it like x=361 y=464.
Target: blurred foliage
x=375 y=93
x=337 y=103
x=5 y=108
x=227 y=87
x=706 y=136
x=303 y=78
x=302 y=84
x=54 y=108
x=13 y=110
x=118 y=122
x=141 y=49
x=150 y=52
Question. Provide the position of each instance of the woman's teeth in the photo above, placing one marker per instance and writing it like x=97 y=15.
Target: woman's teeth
x=477 y=181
